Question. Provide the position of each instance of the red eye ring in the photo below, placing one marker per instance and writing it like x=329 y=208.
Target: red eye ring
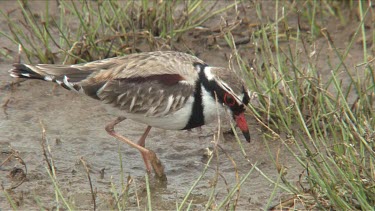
x=229 y=100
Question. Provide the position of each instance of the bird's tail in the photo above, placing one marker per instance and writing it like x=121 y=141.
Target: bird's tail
x=64 y=75
x=26 y=71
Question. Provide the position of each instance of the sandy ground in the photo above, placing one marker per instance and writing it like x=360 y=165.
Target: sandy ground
x=75 y=129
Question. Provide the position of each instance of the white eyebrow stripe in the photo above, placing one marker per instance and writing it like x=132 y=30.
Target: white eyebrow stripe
x=226 y=87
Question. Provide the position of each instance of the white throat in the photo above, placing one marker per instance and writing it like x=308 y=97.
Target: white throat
x=211 y=108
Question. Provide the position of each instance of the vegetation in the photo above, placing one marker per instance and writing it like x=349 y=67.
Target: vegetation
x=326 y=121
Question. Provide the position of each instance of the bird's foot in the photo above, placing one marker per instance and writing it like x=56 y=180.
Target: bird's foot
x=157 y=165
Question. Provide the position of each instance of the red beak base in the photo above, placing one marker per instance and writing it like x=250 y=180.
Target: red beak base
x=242 y=124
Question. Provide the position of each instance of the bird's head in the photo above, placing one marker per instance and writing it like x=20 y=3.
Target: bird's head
x=229 y=90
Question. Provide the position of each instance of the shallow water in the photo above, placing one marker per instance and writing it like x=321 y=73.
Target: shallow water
x=75 y=129
x=78 y=125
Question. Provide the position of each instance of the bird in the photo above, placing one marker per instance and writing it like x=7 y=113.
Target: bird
x=162 y=89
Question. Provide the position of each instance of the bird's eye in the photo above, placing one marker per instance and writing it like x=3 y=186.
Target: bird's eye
x=229 y=100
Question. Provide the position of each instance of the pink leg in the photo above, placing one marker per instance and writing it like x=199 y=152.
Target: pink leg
x=142 y=142
x=149 y=156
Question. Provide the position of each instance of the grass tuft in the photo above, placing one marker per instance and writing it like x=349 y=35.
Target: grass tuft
x=323 y=114
x=333 y=133
x=105 y=29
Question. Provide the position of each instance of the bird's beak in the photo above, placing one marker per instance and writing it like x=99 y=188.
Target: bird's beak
x=242 y=124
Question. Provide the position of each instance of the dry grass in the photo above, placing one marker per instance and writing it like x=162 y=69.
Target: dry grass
x=298 y=105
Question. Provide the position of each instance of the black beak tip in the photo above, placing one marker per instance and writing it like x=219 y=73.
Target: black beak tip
x=247 y=136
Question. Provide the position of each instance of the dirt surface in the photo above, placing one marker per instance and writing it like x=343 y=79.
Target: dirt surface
x=74 y=129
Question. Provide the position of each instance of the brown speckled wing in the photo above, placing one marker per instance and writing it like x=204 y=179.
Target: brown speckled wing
x=153 y=96
x=150 y=83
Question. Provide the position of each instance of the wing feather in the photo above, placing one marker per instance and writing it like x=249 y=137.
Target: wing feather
x=151 y=98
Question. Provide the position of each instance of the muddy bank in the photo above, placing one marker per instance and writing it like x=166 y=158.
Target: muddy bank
x=74 y=129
